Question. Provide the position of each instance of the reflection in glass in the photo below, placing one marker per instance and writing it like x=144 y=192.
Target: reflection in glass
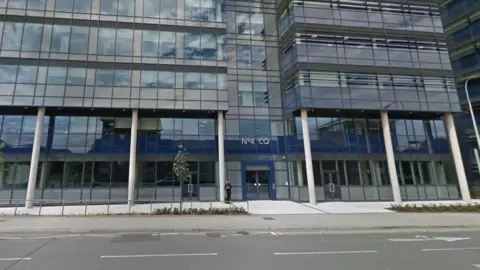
x=106 y=41
x=204 y=10
x=250 y=24
x=159 y=9
x=79 y=6
x=32 y=37
x=12 y=36
x=8 y=74
x=201 y=46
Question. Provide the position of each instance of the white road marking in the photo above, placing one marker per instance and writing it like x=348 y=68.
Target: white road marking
x=273 y=233
x=420 y=238
x=15 y=259
x=326 y=252
x=255 y=233
x=450 y=249
x=476 y=265
x=54 y=236
x=157 y=255
x=11 y=238
x=159 y=234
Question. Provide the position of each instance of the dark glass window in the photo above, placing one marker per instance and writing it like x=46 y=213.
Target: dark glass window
x=254 y=128
x=57 y=75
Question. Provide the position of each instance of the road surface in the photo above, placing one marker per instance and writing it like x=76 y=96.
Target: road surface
x=240 y=250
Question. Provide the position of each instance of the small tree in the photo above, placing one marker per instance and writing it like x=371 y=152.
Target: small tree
x=181 y=169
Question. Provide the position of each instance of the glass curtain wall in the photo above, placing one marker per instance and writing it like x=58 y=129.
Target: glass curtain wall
x=364 y=175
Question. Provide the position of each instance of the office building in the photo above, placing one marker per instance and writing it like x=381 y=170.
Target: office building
x=290 y=100
x=461 y=23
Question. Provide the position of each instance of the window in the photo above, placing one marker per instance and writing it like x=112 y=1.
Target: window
x=60 y=38
x=254 y=128
x=155 y=79
x=79 y=39
x=8 y=74
x=150 y=43
x=167 y=45
x=201 y=46
x=27 y=74
x=204 y=10
x=78 y=6
x=12 y=36
x=192 y=81
x=56 y=75
x=20 y=4
x=251 y=57
x=123 y=78
x=32 y=37
x=159 y=9
x=76 y=76
x=124 y=45
x=245 y=94
x=104 y=77
x=106 y=41
x=36 y=4
x=250 y=24
x=252 y=94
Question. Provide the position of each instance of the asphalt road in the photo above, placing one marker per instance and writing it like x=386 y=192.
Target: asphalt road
x=242 y=250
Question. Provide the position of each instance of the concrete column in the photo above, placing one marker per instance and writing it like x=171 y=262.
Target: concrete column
x=133 y=157
x=457 y=157
x=37 y=141
x=392 y=169
x=308 y=157
x=221 y=155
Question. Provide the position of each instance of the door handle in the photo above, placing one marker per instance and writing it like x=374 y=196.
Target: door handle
x=331 y=187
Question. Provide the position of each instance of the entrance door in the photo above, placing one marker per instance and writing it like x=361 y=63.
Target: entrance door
x=331 y=185
x=258 y=185
x=190 y=188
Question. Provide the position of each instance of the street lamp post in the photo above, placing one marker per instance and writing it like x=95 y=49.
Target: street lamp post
x=475 y=128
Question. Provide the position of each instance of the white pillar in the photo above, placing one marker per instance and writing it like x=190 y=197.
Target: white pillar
x=133 y=157
x=308 y=157
x=392 y=169
x=457 y=157
x=221 y=155
x=37 y=141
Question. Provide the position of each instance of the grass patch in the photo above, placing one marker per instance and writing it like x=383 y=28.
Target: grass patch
x=437 y=208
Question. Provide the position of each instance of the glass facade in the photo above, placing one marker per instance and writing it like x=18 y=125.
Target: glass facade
x=462 y=28
x=182 y=70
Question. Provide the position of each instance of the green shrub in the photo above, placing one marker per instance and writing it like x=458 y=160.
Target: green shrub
x=199 y=211
x=437 y=208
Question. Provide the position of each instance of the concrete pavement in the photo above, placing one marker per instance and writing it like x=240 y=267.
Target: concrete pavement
x=245 y=251
x=253 y=222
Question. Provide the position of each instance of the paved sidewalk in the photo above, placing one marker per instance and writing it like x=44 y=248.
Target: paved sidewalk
x=25 y=224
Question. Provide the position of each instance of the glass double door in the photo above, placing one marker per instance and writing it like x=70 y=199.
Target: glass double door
x=257 y=183
x=331 y=185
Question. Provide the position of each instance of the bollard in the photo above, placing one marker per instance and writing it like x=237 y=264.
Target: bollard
x=16 y=207
x=108 y=207
x=86 y=207
x=129 y=208
x=40 y=209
